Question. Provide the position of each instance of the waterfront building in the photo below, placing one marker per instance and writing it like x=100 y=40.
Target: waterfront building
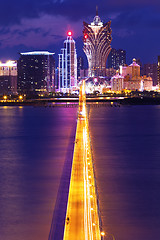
x=36 y=72
x=132 y=78
x=97 y=39
x=116 y=58
x=80 y=65
x=146 y=83
x=131 y=74
x=68 y=65
x=8 y=77
x=150 y=70
x=117 y=82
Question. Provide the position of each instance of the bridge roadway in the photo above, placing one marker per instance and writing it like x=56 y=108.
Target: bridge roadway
x=82 y=219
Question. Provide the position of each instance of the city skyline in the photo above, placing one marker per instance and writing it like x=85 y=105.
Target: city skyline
x=43 y=25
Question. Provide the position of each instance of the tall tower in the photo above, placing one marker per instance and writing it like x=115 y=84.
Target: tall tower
x=68 y=65
x=97 y=39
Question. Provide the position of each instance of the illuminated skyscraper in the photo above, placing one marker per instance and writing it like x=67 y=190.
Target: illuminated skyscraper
x=68 y=65
x=36 y=72
x=116 y=58
x=97 y=39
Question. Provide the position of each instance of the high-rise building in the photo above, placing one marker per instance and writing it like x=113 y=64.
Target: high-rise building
x=158 y=72
x=36 y=72
x=150 y=70
x=80 y=65
x=97 y=39
x=8 y=77
x=68 y=65
x=116 y=58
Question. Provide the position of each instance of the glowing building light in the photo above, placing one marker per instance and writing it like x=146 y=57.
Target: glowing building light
x=69 y=33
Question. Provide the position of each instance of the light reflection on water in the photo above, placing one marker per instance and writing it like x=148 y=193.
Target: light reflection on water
x=33 y=147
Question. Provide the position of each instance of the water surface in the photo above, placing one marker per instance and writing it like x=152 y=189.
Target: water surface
x=33 y=146
x=126 y=147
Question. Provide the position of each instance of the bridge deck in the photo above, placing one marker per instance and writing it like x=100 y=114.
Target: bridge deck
x=82 y=219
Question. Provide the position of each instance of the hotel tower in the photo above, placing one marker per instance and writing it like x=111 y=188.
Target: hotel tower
x=68 y=65
x=97 y=39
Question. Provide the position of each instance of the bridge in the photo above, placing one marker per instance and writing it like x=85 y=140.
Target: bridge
x=76 y=215
x=82 y=217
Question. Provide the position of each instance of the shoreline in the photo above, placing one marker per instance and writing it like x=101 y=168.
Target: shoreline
x=74 y=101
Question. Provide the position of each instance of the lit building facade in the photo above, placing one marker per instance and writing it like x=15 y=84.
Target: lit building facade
x=133 y=80
x=116 y=58
x=97 y=39
x=131 y=74
x=68 y=65
x=8 y=77
x=117 y=82
x=36 y=72
x=146 y=83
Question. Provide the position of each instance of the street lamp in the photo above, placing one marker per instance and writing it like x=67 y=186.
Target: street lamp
x=5 y=97
x=102 y=235
x=20 y=97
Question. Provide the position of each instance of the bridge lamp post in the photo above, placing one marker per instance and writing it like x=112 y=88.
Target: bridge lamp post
x=102 y=235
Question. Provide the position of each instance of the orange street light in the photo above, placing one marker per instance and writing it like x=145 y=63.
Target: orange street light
x=102 y=235
x=5 y=97
x=20 y=97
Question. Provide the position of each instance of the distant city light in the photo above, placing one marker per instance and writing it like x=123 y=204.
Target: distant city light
x=95 y=80
x=20 y=97
x=5 y=97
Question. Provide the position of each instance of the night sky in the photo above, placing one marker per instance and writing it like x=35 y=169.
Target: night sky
x=27 y=25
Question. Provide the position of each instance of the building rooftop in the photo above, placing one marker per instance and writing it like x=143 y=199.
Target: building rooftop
x=8 y=64
x=134 y=63
x=37 y=53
